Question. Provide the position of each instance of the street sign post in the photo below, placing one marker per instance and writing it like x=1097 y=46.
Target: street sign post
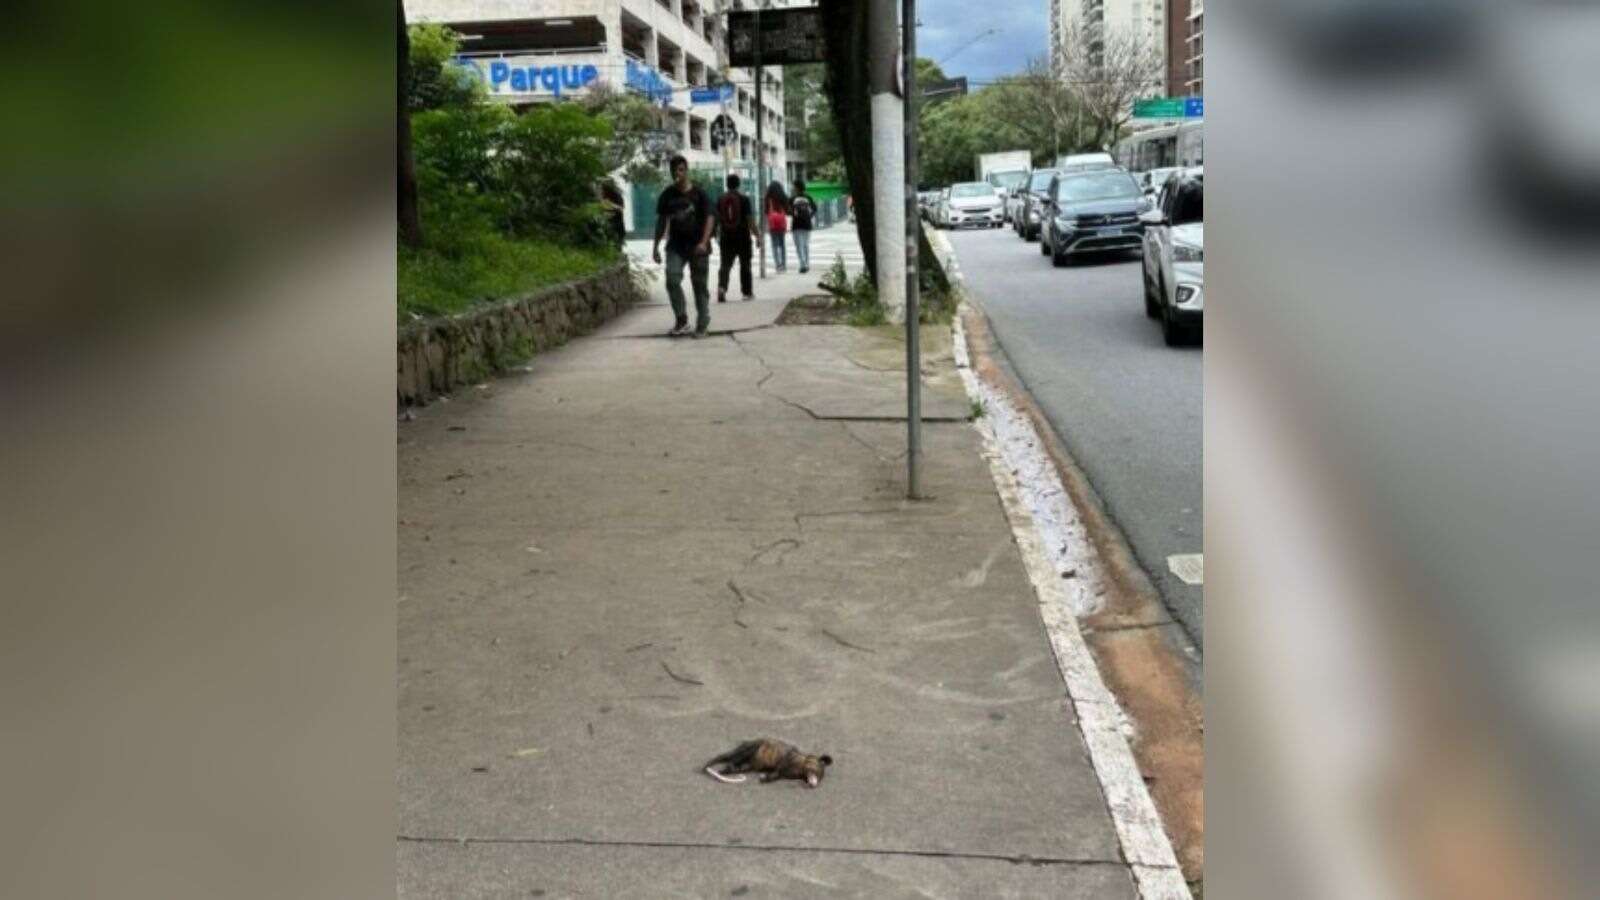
x=1169 y=108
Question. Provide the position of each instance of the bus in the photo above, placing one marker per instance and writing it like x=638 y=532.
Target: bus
x=1164 y=147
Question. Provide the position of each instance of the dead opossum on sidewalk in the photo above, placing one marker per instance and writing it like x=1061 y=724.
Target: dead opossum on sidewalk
x=774 y=759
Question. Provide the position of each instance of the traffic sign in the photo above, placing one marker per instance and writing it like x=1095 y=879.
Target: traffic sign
x=715 y=94
x=723 y=131
x=1170 y=108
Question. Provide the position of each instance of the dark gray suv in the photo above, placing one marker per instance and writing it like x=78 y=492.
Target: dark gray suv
x=1091 y=212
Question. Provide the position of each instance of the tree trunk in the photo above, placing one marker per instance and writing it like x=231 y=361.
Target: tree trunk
x=406 y=188
x=848 y=88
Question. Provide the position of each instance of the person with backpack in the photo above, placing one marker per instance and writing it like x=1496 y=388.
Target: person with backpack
x=683 y=215
x=777 y=209
x=804 y=209
x=736 y=228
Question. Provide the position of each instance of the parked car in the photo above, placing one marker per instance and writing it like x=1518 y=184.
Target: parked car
x=1030 y=204
x=938 y=208
x=1091 y=212
x=1174 y=259
x=973 y=204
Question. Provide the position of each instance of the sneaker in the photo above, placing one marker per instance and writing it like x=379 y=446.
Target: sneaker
x=679 y=330
x=722 y=297
x=749 y=297
x=699 y=333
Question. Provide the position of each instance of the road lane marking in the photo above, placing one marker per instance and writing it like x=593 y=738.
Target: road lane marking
x=1190 y=567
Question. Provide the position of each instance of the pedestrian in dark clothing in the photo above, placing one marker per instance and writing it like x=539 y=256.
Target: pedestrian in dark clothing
x=736 y=227
x=804 y=209
x=777 y=212
x=611 y=200
x=683 y=215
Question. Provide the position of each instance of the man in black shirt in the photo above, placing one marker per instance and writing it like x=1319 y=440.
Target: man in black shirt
x=802 y=208
x=683 y=214
x=736 y=225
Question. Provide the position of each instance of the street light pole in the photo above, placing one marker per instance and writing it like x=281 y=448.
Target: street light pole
x=761 y=156
x=908 y=81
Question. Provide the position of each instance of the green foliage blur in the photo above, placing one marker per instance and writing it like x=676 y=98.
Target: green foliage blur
x=436 y=81
x=508 y=201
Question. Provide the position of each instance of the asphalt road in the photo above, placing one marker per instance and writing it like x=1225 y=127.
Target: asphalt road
x=1127 y=406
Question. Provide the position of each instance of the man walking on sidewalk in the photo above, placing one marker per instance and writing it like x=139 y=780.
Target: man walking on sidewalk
x=803 y=208
x=683 y=214
x=736 y=222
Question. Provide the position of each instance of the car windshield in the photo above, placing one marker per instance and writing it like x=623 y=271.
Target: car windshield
x=1009 y=180
x=1089 y=187
x=1041 y=180
x=975 y=189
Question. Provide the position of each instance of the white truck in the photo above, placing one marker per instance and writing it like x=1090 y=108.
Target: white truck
x=1006 y=171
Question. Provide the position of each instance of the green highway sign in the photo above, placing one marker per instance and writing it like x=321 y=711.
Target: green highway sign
x=1169 y=108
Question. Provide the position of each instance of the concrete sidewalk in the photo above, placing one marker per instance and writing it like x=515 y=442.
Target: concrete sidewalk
x=646 y=550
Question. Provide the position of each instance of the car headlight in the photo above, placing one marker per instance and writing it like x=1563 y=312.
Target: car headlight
x=1187 y=293
x=1187 y=253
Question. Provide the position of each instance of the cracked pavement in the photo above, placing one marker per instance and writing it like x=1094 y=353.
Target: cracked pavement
x=667 y=547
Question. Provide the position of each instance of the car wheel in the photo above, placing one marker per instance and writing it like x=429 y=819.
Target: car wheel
x=1150 y=307
x=1174 y=334
x=1058 y=259
x=1044 y=243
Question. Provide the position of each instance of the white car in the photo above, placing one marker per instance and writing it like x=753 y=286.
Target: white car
x=973 y=204
x=1174 y=259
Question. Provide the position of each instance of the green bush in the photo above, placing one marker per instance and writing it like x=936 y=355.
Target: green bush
x=548 y=165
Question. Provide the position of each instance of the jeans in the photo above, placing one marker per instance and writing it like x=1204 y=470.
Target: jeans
x=699 y=278
x=739 y=248
x=777 y=248
x=802 y=247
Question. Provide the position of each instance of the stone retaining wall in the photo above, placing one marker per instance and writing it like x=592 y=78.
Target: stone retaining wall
x=435 y=356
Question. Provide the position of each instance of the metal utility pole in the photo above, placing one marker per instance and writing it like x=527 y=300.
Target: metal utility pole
x=888 y=156
x=908 y=17
x=761 y=156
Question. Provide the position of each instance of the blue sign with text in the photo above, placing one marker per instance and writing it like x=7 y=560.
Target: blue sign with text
x=1194 y=107
x=648 y=82
x=721 y=93
x=501 y=76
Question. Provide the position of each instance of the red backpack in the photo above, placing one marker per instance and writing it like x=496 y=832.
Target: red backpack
x=730 y=212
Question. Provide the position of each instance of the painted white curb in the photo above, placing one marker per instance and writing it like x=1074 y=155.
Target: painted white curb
x=1050 y=535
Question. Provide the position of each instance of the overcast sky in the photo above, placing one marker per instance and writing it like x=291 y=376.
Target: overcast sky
x=947 y=24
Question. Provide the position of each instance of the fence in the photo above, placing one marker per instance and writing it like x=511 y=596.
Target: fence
x=831 y=205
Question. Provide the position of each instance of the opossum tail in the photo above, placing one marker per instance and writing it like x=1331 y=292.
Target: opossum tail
x=737 y=779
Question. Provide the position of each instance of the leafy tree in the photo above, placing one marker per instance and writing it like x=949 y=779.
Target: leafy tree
x=409 y=215
x=847 y=87
x=928 y=72
x=631 y=117
x=1107 y=70
x=806 y=105
x=436 y=79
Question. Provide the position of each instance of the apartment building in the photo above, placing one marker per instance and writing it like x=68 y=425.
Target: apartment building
x=1148 y=18
x=1196 y=47
x=542 y=51
x=1176 y=42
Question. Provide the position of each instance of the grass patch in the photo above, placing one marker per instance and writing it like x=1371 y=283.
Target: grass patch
x=488 y=267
